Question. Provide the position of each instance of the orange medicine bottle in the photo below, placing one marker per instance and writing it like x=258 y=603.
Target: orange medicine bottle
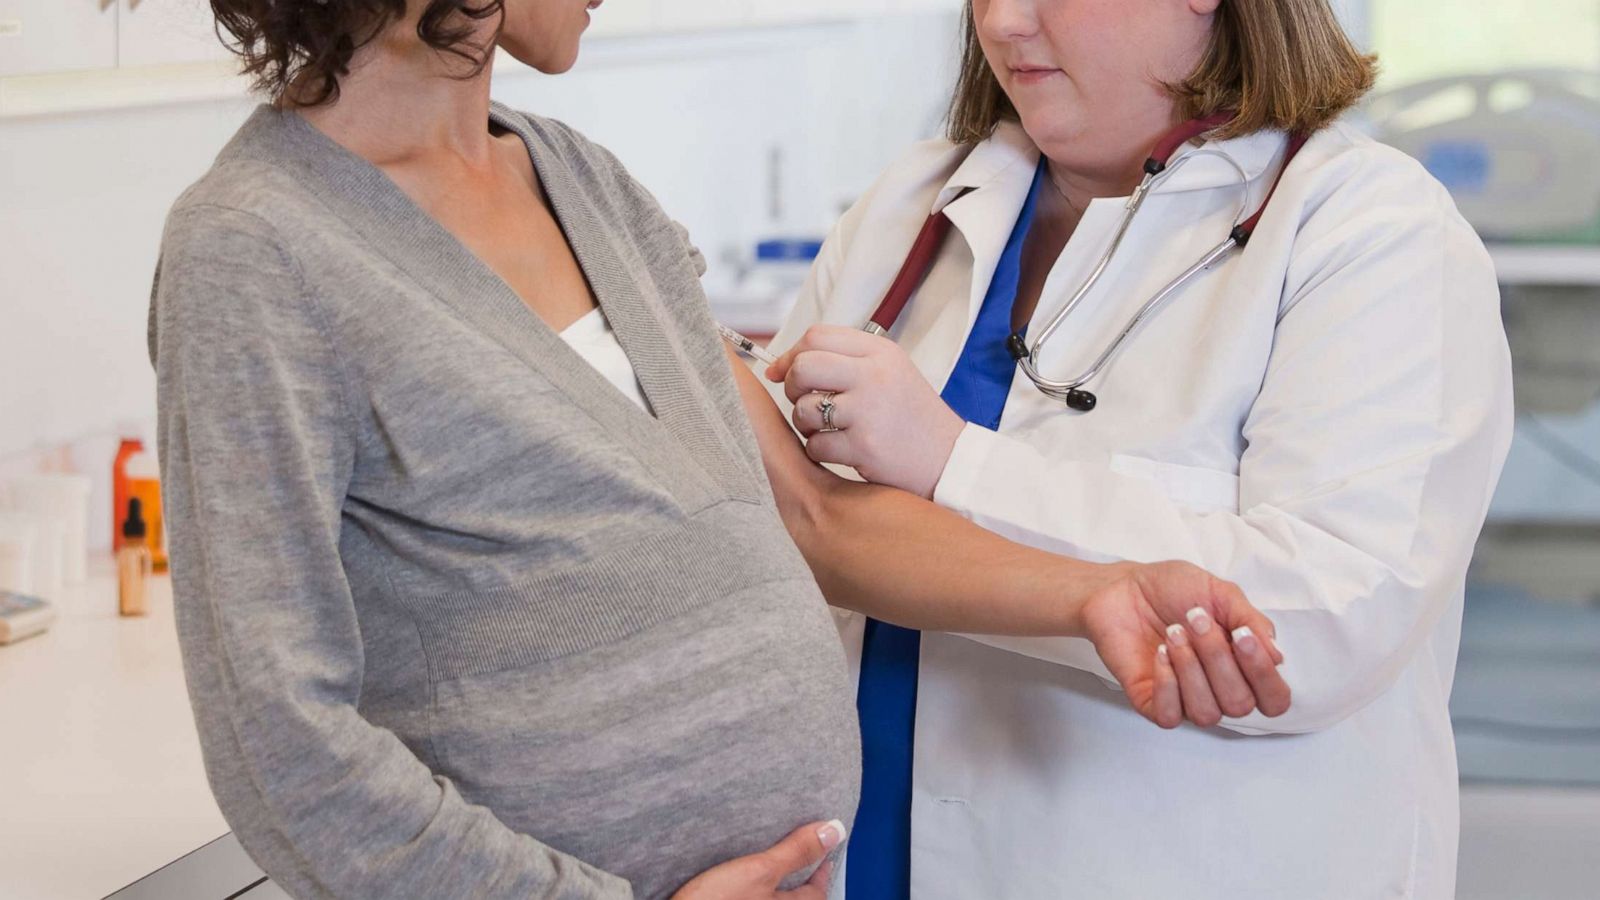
x=133 y=563
x=144 y=484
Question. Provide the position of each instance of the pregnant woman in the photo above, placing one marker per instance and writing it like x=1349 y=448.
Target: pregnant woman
x=482 y=588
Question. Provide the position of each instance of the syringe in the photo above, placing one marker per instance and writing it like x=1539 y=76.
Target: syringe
x=745 y=345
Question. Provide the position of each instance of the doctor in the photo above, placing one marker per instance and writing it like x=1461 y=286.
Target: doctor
x=1320 y=416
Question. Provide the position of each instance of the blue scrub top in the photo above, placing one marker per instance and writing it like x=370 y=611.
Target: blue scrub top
x=879 y=867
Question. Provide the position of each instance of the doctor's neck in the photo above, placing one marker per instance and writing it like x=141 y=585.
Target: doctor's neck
x=1079 y=185
x=402 y=100
x=1101 y=159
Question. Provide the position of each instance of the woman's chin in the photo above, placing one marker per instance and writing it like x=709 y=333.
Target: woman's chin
x=548 y=60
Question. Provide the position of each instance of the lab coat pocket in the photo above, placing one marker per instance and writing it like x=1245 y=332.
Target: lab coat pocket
x=1202 y=490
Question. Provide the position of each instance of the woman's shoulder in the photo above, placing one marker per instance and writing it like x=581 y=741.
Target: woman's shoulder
x=1364 y=203
x=921 y=170
x=900 y=197
x=249 y=184
x=591 y=163
x=245 y=196
x=624 y=204
x=1344 y=165
x=1359 y=197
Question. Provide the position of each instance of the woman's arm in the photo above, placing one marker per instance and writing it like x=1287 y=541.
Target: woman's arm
x=904 y=560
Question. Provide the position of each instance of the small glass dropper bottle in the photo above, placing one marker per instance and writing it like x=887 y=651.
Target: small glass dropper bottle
x=133 y=563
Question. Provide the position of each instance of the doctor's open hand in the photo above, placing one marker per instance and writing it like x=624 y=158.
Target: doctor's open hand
x=859 y=401
x=1185 y=644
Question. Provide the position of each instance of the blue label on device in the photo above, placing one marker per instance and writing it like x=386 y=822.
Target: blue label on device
x=1462 y=166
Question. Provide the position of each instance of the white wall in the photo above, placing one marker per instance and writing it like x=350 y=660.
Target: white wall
x=82 y=197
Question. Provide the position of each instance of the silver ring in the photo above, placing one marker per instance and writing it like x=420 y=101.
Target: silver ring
x=826 y=407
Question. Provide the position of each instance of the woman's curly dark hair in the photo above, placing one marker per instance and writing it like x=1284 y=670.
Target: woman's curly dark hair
x=305 y=46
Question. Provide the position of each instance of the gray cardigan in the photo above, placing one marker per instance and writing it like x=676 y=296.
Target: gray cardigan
x=458 y=618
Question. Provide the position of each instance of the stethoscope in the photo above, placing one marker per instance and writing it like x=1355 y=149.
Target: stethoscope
x=932 y=237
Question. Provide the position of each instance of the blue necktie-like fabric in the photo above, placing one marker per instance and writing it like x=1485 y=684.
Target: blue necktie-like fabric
x=879 y=867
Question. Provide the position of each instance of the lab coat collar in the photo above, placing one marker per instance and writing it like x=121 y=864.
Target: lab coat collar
x=1008 y=152
x=985 y=193
x=1255 y=153
x=1009 y=156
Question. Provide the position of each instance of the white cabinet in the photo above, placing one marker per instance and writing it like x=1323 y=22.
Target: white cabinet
x=40 y=36
x=164 y=32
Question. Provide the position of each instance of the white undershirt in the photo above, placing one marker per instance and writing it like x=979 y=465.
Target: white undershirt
x=593 y=339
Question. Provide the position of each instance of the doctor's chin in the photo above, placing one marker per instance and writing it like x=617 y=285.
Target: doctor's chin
x=761 y=450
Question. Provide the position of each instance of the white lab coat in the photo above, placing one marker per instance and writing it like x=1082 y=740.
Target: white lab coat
x=1321 y=419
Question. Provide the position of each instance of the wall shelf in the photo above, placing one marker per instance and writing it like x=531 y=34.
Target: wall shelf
x=29 y=96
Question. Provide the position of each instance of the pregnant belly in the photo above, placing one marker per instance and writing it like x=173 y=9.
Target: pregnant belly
x=705 y=738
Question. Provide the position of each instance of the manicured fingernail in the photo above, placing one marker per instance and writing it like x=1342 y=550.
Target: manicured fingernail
x=1161 y=651
x=1199 y=620
x=831 y=834
x=1245 y=640
x=1177 y=636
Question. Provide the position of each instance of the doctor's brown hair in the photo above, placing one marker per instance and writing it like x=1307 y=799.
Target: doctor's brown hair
x=1283 y=64
x=299 y=49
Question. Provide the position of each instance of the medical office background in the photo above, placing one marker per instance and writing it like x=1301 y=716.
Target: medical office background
x=756 y=122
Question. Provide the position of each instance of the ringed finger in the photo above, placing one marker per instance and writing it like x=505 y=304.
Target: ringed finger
x=808 y=418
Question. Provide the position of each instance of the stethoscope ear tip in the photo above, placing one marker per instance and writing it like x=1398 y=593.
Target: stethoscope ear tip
x=1082 y=401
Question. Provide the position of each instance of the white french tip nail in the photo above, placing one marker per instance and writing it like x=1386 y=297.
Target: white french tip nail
x=1174 y=630
x=1242 y=632
x=1198 y=620
x=831 y=834
x=1161 y=651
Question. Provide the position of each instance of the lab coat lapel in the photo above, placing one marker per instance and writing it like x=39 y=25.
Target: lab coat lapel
x=983 y=199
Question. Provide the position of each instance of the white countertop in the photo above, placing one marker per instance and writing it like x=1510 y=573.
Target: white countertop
x=100 y=774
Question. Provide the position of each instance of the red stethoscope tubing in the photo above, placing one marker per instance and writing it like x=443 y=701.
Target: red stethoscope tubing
x=925 y=249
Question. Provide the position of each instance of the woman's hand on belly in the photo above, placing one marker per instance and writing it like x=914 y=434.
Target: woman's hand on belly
x=889 y=423
x=1185 y=644
x=760 y=875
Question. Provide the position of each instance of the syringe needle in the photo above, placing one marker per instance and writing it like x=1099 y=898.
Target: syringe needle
x=745 y=345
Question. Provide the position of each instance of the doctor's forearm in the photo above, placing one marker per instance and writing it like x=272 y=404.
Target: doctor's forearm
x=902 y=559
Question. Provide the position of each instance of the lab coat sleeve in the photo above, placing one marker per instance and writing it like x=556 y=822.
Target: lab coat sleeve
x=1372 y=449
x=258 y=450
